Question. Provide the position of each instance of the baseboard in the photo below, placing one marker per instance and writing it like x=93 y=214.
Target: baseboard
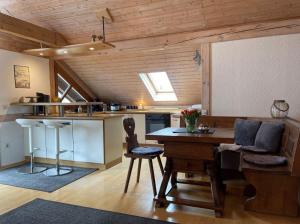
x=76 y=163
x=13 y=165
x=113 y=163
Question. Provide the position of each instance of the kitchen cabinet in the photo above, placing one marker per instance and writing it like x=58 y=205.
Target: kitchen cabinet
x=11 y=142
x=83 y=140
x=43 y=138
x=88 y=141
x=65 y=141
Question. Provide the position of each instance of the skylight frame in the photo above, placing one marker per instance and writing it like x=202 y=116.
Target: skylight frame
x=156 y=94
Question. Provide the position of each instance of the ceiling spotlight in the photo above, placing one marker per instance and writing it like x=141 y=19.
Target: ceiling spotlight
x=41 y=54
x=65 y=52
x=91 y=48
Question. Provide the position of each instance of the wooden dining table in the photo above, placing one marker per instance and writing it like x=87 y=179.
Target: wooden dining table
x=192 y=153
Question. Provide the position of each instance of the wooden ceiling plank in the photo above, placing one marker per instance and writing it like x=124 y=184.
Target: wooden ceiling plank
x=227 y=33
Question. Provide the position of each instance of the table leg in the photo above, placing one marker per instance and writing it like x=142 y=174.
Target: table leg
x=174 y=179
x=216 y=189
x=160 y=201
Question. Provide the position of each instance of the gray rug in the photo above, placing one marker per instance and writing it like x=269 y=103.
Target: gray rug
x=41 y=211
x=40 y=181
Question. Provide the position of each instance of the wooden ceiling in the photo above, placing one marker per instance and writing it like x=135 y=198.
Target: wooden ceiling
x=76 y=19
x=138 y=21
x=118 y=78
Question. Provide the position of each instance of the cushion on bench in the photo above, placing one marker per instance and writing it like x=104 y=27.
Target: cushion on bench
x=269 y=136
x=265 y=160
x=147 y=150
x=254 y=149
x=245 y=131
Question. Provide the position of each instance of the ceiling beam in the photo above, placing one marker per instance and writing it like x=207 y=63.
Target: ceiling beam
x=228 y=33
x=66 y=71
x=30 y=31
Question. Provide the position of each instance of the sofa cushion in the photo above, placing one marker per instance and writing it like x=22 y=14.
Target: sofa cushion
x=147 y=150
x=254 y=149
x=245 y=131
x=265 y=160
x=269 y=136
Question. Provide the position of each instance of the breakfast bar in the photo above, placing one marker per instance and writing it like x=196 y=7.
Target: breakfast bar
x=87 y=140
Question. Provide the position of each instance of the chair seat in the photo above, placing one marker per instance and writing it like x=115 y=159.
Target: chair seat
x=147 y=150
x=265 y=160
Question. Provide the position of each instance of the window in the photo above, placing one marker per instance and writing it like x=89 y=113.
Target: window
x=159 y=86
x=66 y=92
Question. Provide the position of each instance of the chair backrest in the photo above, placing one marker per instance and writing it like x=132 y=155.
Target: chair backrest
x=131 y=139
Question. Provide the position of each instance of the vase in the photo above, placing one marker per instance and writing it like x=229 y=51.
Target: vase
x=279 y=109
x=191 y=125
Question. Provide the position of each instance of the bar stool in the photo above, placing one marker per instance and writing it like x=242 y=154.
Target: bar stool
x=57 y=170
x=31 y=169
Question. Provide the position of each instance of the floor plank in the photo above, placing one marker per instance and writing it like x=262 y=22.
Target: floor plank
x=104 y=190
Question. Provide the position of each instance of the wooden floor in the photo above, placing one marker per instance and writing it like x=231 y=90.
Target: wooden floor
x=104 y=190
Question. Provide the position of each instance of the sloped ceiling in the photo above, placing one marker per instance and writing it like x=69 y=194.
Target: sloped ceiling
x=116 y=77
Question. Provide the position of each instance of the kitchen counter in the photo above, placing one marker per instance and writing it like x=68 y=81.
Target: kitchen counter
x=81 y=116
x=145 y=111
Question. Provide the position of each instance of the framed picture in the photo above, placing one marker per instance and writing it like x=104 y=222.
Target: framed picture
x=22 y=76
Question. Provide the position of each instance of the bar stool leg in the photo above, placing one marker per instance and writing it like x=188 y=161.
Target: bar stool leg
x=57 y=170
x=31 y=169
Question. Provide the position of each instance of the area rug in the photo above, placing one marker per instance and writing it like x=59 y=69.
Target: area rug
x=40 y=181
x=41 y=211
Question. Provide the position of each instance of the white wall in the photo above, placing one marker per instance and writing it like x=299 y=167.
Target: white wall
x=247 y=75
x=11 y=134
x=39 y=79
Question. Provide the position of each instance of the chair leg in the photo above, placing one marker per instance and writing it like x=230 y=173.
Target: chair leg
x=152 y=177
x=160 y=165
x=129 y=174
x=139 y=171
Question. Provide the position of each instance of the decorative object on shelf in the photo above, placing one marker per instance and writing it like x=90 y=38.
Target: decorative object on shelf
x=191 y=119
x=279 y=109
x=22 y=76
x=56 y=99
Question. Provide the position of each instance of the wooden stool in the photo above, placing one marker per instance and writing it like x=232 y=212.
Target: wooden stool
x=134 y=151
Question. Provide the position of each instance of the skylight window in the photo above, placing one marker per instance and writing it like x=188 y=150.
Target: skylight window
x=159 y=86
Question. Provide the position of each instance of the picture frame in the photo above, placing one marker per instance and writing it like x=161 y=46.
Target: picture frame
x=22 y=76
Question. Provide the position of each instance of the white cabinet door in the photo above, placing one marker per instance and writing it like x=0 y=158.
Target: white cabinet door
x=66 y=141
x=38 y=141
x=88 y=141
x=11 y=143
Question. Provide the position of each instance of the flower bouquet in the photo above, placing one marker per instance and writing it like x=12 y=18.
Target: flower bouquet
x=191 y=119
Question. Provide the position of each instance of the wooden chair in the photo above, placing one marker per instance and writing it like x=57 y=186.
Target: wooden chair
x=135 y=151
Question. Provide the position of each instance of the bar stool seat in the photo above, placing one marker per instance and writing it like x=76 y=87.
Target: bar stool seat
x=31 y=169
x=58 y=170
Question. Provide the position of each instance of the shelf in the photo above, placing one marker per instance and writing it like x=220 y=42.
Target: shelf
x=57 y=104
